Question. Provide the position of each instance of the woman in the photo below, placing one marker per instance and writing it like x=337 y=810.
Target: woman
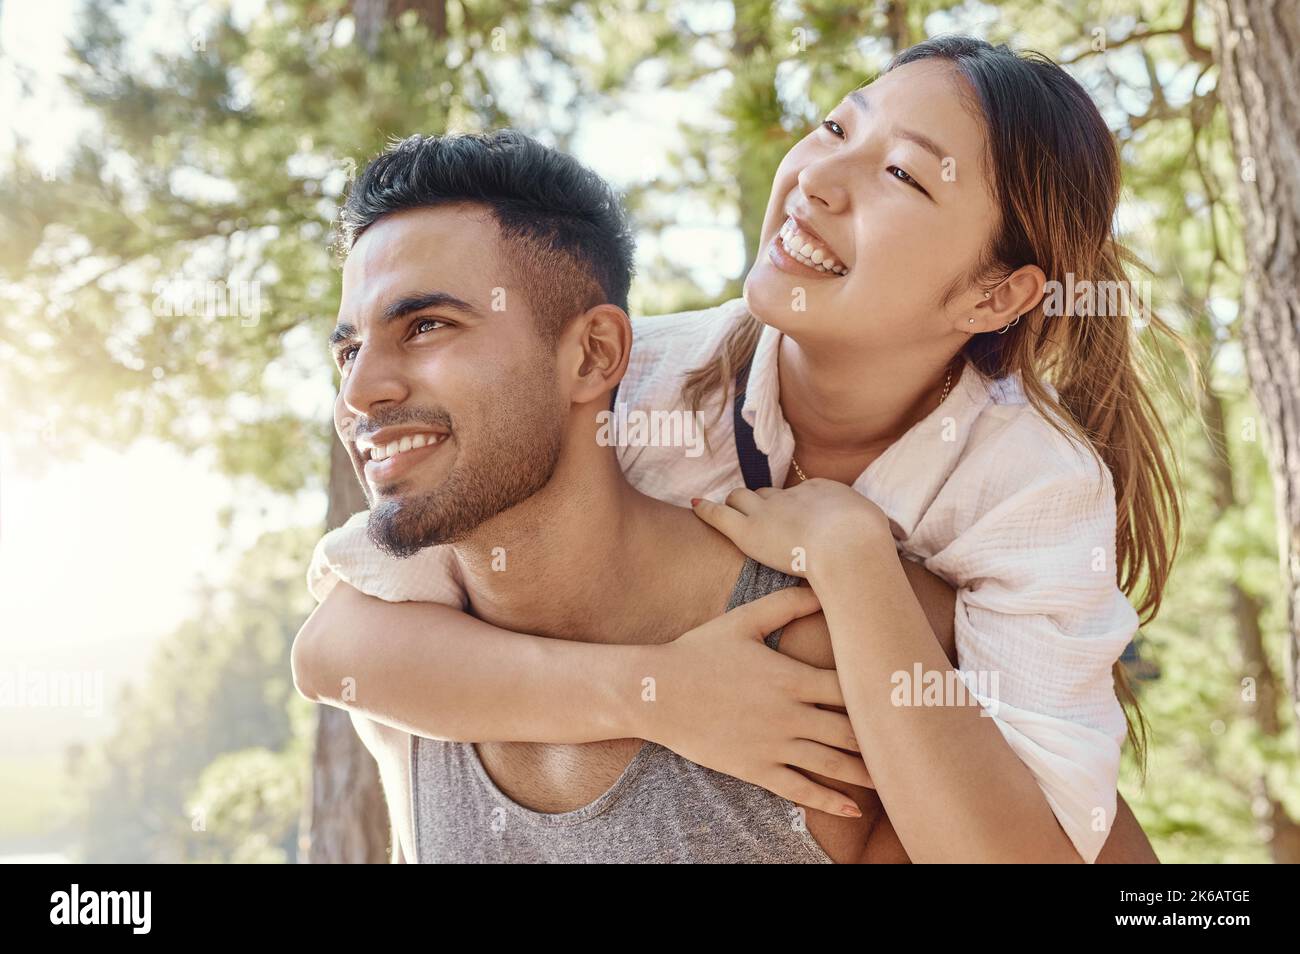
x=898 y=335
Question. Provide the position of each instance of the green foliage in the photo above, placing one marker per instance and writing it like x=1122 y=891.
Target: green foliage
x=211 y=753
x=246 y=805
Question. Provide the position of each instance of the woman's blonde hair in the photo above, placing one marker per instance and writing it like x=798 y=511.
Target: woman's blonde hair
x=1057 y=175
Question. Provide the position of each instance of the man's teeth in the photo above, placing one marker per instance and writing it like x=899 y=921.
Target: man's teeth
x=410 y=442
x=805 y=250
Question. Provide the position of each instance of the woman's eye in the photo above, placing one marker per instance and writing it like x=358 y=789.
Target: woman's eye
x=834 y=127
x=902 y=176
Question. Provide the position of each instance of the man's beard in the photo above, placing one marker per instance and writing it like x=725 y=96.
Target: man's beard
x=517 y=462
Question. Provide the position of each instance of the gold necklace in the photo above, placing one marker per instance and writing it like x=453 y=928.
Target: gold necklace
x=947 y=383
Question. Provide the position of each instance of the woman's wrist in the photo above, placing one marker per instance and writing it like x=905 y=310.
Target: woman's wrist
x=851 y=547
x=630 y=683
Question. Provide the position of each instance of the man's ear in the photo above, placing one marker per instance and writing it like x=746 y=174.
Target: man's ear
x=594 y=352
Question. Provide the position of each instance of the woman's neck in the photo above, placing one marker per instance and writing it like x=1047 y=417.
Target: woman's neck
x=845 y=408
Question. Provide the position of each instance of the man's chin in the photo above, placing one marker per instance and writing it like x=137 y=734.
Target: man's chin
x=402 y=527
x=405 y=520
x=402 y=494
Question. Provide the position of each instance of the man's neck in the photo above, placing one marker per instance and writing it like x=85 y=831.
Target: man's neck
x=589 y=558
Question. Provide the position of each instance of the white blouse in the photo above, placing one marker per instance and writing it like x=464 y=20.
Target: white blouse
x=983 y=492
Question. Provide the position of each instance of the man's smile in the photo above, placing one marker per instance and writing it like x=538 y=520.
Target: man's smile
x=391 y=454
x=390 y=442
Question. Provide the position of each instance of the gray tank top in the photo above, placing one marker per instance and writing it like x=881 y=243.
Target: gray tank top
x=663 y=808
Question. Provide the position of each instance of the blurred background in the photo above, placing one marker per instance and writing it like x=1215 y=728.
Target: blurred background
x=169 y=174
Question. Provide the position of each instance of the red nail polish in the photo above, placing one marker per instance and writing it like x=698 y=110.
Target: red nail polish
x=695 y=501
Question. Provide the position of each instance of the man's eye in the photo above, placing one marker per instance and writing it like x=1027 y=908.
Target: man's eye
x=424 y=325
x=347 y=354
x=834 y=127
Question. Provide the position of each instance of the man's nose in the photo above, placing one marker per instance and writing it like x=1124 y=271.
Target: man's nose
x=373 y=381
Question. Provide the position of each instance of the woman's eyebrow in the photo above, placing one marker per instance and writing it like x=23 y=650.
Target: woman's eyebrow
x=911 y=135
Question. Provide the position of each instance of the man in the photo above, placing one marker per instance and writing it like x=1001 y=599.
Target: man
x=473 y=386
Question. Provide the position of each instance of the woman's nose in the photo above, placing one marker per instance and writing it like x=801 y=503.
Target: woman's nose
x=822 y=182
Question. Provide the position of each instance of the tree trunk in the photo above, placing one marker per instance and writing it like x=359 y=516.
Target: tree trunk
x=345 y=819
x=371 y=16
x=897 y=26
x=1258 y=46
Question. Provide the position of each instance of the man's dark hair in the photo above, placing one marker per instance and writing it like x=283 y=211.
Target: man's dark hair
x=568 y=245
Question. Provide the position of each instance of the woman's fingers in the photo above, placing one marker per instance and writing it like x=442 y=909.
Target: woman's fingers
x=789 y=784
x=769 y=613
x=821 y=687
x=826 y=727
x=832 y=763
x=744 y=500
x=720 y=517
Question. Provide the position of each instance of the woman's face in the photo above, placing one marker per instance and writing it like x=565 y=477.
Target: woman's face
x=892 y=190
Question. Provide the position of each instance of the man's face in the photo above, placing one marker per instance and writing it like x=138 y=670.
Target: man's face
x=449 y=401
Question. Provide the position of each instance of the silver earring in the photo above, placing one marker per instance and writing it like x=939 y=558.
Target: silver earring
x=987 y=295
x=1008 y=325
x=970 y=321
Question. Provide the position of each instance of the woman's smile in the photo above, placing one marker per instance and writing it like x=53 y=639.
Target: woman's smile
x=794 y=251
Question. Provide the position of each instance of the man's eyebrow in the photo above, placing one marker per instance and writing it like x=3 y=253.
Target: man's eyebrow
x=342 y=333
x=911 y=135
x=408 y=304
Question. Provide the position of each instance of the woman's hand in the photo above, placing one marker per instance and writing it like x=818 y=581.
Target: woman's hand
x=718 y=696
x=788 y=529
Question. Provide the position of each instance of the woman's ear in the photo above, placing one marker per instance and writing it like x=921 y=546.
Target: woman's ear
x=1016 y=294
x=599 y=343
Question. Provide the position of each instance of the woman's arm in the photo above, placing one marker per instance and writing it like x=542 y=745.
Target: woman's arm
x=433 y=671
x=981 y=802
x=405 y=656
x=1003 y=783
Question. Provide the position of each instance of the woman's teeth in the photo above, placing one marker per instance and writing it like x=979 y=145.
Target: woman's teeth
x=803 y=249
x=410 y=442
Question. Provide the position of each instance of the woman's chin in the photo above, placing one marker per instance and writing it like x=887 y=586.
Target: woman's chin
x=777 y=299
